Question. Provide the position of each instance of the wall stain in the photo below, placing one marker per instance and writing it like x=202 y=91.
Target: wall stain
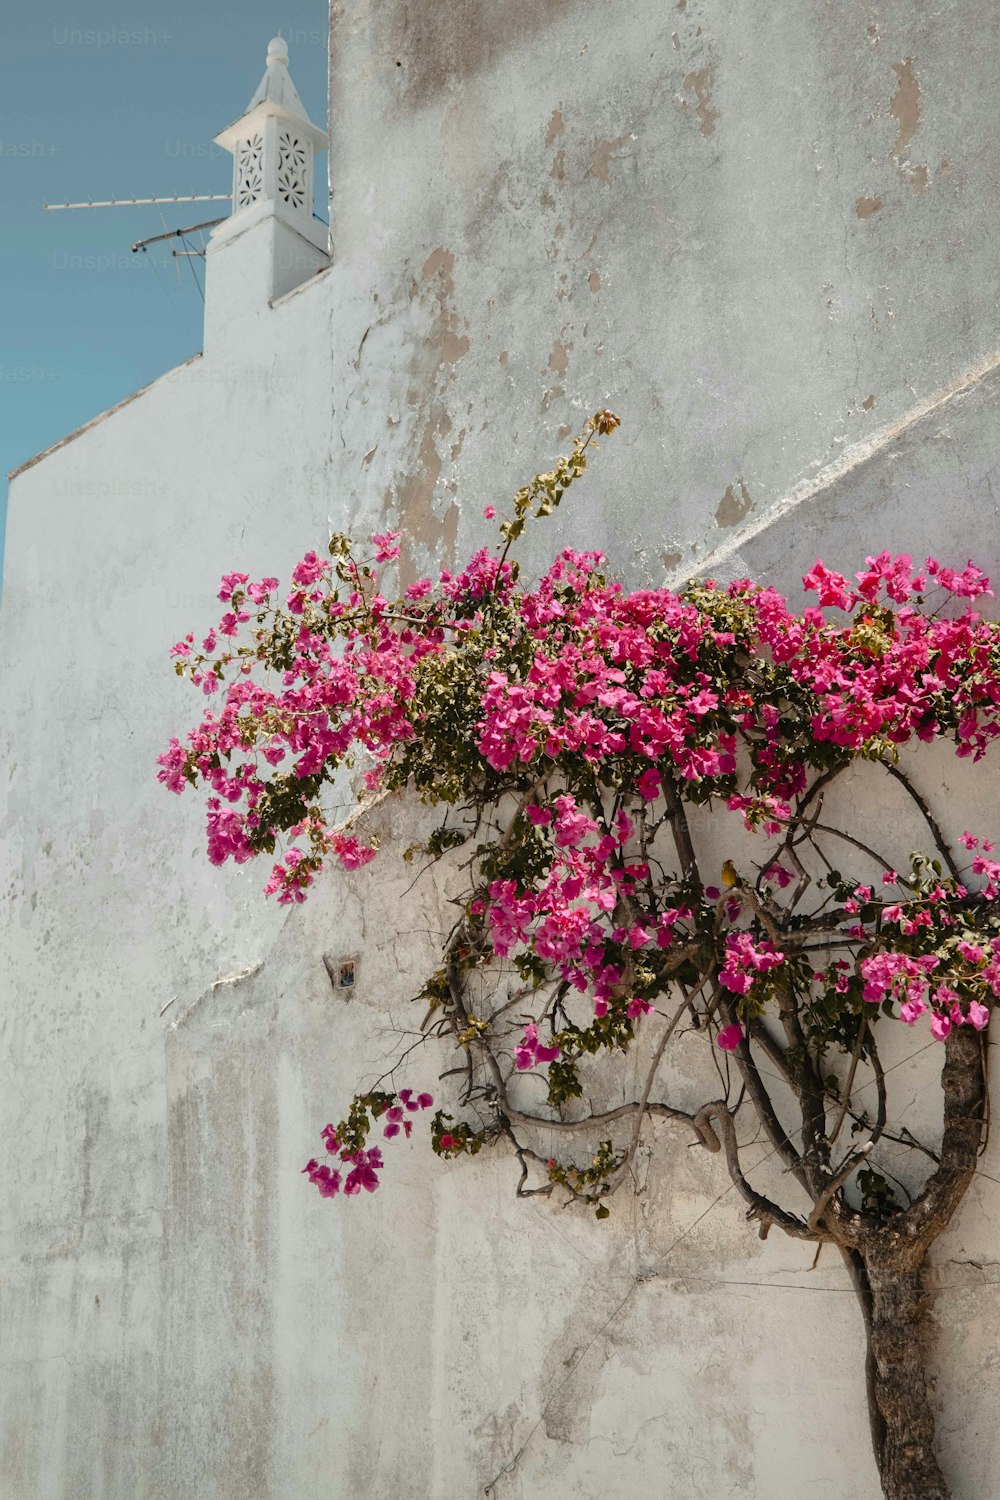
x=438 y=268
x=448 y=45
x=865 y=207
x=550 y=396
x=557 y=127
x=700 y=84
x=732 y=507
x=601 y=156
x=415 y=495
x=918 y=178
x=559 y=358
x=558 y=170
x=868 y=403
x=670 y=560
x=594 y=281
x=905 y=106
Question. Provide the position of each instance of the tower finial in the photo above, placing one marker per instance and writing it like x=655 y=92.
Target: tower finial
x=277 y=51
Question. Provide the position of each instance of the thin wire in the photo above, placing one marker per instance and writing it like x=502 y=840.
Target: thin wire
x=173 y=304
x=840 y=1291
x=191 y=258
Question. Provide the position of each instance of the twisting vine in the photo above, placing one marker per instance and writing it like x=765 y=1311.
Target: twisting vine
x=569 y=727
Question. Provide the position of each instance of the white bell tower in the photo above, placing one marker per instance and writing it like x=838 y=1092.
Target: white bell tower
x=272 y=242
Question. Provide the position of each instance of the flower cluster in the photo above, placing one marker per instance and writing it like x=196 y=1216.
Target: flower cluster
x=346 y=1141
x=594 y=715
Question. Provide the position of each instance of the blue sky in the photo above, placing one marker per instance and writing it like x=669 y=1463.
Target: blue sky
x=114 y=100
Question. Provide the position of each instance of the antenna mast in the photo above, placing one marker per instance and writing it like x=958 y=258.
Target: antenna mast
x=130 y=202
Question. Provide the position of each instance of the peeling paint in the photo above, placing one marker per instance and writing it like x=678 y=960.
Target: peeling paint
x=905 y=105
x=550 y=396
x=732 y=507
x=558 y=169
x=414 y=497
x=918 y=178
x=594 y=281
x=866 y=207
x=439 y=267
x=557 y=127
x=601 y=156
x=559 y=358
x=868 y=403
x=700 y=84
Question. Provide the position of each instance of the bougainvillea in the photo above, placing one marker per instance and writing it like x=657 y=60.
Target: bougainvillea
x=567 y=725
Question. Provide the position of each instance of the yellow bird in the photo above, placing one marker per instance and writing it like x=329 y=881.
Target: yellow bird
x=729 y=875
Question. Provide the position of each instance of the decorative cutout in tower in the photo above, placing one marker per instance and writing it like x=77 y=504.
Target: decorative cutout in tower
x=274 y=146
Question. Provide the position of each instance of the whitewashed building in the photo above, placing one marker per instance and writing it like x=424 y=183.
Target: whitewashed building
x=765 y=237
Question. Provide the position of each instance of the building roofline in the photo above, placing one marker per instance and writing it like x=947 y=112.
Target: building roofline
x=70 y=437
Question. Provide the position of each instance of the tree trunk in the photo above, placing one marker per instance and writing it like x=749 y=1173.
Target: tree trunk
x=890 y=1283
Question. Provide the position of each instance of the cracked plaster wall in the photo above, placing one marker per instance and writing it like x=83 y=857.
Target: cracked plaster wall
x=764 y=235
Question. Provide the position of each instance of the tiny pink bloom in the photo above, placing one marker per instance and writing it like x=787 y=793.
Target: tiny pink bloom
x=648 y=785
x=979 y=1016
x=386 y=545
x=729 y=1037
x=940 y=1027
x=489 y=512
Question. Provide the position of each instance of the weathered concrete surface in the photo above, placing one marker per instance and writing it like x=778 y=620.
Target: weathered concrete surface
x=766 y=238
x=556 y=208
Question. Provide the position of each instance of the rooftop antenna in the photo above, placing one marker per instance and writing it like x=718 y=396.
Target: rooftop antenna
x=188 y=252
x=131 y=202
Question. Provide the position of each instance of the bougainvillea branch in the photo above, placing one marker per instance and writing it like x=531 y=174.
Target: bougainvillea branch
x=568 y=726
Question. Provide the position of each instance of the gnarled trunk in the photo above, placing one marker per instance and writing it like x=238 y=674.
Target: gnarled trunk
x=887 y=1265
x=902 y=1420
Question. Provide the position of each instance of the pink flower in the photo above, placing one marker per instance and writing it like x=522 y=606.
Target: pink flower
x=322 y=1177
x=648 y=785
x=489 y=511
x=969 y=840
x=230 y=581
x=386 y=545
x=729 y=1037
x=831 y=587
x=979 y=1015
x=366 y=1165
x=940 y=1027
x=307 y=571
x=530 y=1051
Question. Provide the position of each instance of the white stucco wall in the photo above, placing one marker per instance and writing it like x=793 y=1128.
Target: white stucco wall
x=534 y=215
